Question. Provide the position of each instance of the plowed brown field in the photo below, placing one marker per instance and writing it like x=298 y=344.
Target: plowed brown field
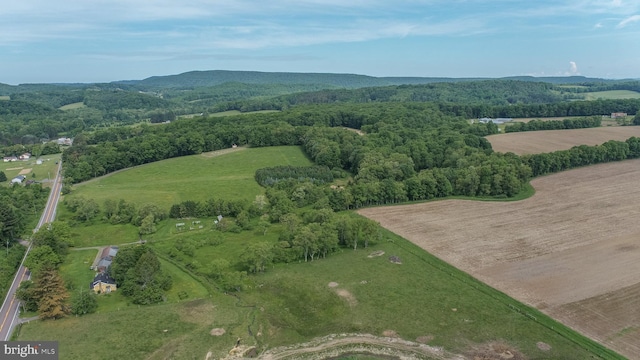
x=572 y=250
x=534 y=142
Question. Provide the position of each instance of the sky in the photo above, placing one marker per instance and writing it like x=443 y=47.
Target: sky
x=68 y=41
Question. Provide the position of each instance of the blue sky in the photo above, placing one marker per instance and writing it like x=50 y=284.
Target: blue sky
x=107 y=40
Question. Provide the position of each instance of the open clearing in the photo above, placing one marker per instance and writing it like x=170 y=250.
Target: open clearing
x=612 y=95
x=571 y=250
x=76 y=105
x=534 y=142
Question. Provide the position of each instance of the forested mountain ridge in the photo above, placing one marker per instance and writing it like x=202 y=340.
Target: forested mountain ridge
x=347 y=81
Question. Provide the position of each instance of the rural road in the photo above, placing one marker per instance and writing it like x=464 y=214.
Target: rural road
x=9 y=311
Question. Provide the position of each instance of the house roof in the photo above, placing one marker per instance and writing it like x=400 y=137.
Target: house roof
x=102 y=278
x=104 y=263
x=109 y=251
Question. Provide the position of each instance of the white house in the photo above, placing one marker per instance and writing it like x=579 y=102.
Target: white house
x=18 y=179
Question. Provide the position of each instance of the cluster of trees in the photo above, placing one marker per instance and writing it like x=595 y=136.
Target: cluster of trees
x=48 y=293
x=162 y=116
x=209 y=208
x=139 y=275
x=557 y=109
x=535 y=125
x=272 y=175
x=117 y=212
x=19 y=204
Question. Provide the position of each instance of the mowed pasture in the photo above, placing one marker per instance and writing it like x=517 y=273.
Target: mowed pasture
x=534 y=142
x=196 y=177
x=612 y=95
x=571 y=250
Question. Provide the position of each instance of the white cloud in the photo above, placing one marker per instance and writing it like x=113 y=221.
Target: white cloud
x=627 y=21
x=573 y=68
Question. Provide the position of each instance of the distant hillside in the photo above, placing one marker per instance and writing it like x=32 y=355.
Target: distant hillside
x=195 y=79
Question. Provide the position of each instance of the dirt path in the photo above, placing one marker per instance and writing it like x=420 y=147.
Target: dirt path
x=335 y=345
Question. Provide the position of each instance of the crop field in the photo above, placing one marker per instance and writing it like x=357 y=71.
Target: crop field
x=534 y=142
x=571 y=250
x=612 y=95
x=197 y=177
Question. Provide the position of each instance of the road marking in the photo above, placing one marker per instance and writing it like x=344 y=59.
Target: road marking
x=13 y=299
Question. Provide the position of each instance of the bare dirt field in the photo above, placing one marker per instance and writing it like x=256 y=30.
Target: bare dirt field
x=572 y=250
x=534 y=142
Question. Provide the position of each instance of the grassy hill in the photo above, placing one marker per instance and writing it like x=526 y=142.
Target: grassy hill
x=196 y=177
x=347 y=292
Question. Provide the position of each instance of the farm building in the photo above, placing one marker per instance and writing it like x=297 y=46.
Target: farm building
x=486 y=120
x=616 y=115
x=106 y=258
x=103 y=284
x=64 y=141
x=9 y=159
x=25 y=156
x=18 y=179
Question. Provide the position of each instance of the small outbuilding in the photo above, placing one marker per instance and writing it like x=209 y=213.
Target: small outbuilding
x=18 y=179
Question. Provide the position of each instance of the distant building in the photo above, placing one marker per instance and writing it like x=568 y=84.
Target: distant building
x=64 y=141
x=486 y=120
x=18 y=179
x=616 y=115
x=9 y=159
x=25 y=156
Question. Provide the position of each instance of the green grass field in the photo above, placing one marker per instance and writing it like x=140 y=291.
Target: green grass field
x=612 y=95
x=293 y=303
x=229 y=113
x=197 y=177
x=77 y=105
x=289 y=303
x=42 y=172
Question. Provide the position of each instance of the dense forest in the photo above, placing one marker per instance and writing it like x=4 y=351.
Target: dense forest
x=35 y=113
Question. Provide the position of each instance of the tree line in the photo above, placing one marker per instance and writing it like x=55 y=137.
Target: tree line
x=535 y=125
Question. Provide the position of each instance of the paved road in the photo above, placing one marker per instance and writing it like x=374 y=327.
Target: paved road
x=9 y=311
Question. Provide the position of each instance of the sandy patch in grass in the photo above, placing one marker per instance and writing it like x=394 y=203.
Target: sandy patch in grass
x=390 y=333
x=16 y=168
x=24 y=171
x=543 y=346
x=345 y=294
x=376 y=254
x=217 y=332
x=333 y=284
